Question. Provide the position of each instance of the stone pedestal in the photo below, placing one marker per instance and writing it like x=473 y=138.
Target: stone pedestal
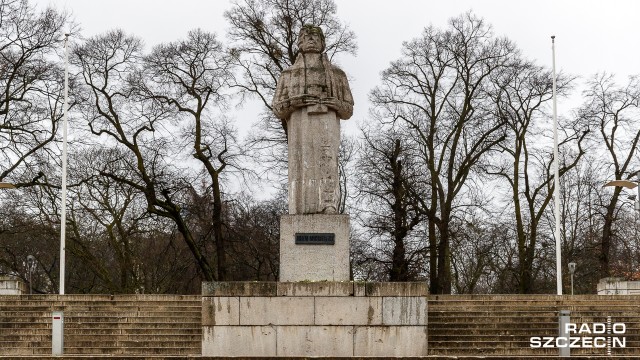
x=618 y=286
x=314 y=262
x=320 y=319
x=12 y=286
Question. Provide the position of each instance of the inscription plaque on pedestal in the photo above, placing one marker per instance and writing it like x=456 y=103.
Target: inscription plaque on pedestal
x=315 y=239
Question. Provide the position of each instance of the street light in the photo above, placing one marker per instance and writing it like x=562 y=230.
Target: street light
x=629 y=185
x=636 y=199
x=572 y=270
x=4 y=185
x=31 y=266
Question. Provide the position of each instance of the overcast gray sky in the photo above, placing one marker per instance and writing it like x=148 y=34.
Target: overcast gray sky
x=591 y=36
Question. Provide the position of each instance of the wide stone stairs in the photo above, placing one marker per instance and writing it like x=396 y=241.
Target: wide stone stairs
x=502 y=325
x=162 y=325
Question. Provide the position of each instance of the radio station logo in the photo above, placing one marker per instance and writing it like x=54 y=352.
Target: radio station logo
x=586 y=335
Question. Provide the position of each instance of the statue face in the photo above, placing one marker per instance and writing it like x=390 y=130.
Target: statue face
x=310 y=42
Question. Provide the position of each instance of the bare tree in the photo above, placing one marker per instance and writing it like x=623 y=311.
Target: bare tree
x=477 y=246
x=346 y=156
x=254 y=236
x=108 y=223
x=582 y=217
x=113 y=244
x=388 y=182
x=190 y=76
x=440 y=92
x=524 y=94
x=114 y=110
x=31 y=94
x=614 y=110
x=24 y=231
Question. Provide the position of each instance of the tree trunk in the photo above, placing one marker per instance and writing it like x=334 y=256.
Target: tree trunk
x=444 y=257
x=221 y=251
x=607 y=236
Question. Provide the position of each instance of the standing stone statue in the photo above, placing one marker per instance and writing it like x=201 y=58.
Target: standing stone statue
x=311 y=97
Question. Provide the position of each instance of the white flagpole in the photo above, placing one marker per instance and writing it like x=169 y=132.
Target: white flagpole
x=556 y=192
x=63 y=220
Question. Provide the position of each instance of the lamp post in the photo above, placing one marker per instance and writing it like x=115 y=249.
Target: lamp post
x=31 y=266
x=636 y=203
x=572 y=270
x=4 y=185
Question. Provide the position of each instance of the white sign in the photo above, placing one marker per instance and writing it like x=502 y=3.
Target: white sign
x=588 y=335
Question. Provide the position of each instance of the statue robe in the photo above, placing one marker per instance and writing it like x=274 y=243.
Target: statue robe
x=313 y=130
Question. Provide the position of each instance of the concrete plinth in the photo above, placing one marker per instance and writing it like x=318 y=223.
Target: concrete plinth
x=618 y=286
x=314 y=262
x=323 y=319
x=12 y=286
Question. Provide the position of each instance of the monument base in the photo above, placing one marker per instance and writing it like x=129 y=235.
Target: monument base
x=323 y=319
x=314 y=257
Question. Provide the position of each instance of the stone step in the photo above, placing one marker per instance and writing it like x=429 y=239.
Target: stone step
x=532 y=307
x=145 y=352
x=632 y=321
x=517 y=353
x=106 y=314
x=494 y=327
x=534 y=310
x=478 y=344
x=94 y=297
x=103 y=325
x=93 y=309
x=533 y=297
x=515 y=320
x=488 y=327
x=109 y=318
x=106 y=304
x=471 y=313
x=529 y=304
x=178 y=311
x=187 y=357
x=97 y=302
x=503 y=325
x=472 y=324
x=109 y=343
x=131 y=348
x=132 y=325
x=514 y=348
x=453 y=331
x=631 y=340
x=101 y=331
x=112 y=337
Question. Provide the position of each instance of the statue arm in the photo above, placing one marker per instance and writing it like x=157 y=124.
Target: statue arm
x=280 y=105
x=342 y=103
x=344 y=109
x=284 y=104
x=284 y=108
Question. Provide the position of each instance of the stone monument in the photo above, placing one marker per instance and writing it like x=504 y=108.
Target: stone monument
x=311 y=98
x=314 y=310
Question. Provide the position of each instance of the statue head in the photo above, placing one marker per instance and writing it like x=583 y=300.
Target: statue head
x=311 y=39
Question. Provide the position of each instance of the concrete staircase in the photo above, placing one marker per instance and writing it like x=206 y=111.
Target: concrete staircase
x=161 y=325
x=170 y=326
x=503 y=324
